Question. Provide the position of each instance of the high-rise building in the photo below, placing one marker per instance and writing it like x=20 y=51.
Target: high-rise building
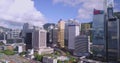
x=82 y=45
x=61 y=28
x=66 y=34
x=112 y=31
x=35 y=38
x=28 y=40
x=39 y=42
x=15 y=33
x=73 y=31
x=113 y=39
x=85 y=28
x=13 y=36
x=67 y=23
x=27 y=35
x=98 y=33
x=52 y=35
x=39 y=39
x=55 y=36
x=112 y=36
x=106 y=33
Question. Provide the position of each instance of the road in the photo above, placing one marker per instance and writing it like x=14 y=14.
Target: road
x=61 y=52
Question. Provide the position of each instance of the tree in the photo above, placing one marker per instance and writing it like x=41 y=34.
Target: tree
x=8 y=52
x=67 y=53
x=59 y=61
x=23 y=53
x=72 y=60
x=38 y=57
x=57 y=53
x=66 y=61
x=1 y=43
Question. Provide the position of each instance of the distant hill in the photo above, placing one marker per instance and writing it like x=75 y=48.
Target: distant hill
x=47 y=25
x=4 y=28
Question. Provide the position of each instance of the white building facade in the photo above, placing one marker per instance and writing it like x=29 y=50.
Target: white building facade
x=39 y=42
x=39 y=39
x=73 y=32
x=82 y=46
x=15 y=33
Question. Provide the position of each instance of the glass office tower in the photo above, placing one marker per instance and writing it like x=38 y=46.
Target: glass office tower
x=112 y=39
x=98 y=33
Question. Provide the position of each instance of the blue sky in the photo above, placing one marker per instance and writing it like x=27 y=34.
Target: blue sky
x=62 y=10
x=54 y=12
x=14 y=13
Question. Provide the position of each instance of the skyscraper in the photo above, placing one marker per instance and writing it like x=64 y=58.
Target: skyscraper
x=106 y=33
x=39 y=39
x=27 y=35
x=98 y=33
x=52 y=35
x=73 y=31
x=39 y=42
x=55 y=36
x=112 y=35
x=35 y=38
x=61 y=27
x=113 y=39
x=111 y=32
x=67 y=23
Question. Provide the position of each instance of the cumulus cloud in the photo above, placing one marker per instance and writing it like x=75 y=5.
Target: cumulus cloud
x=86 y=6
x=13 y=13
x=69 y=2
x=86 y=11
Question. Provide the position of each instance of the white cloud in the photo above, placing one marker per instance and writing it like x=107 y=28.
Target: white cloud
x=69 y=2
x=86 y=6
x=13 y=12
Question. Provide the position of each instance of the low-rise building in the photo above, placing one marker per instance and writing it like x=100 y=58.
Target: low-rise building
x=63 y=58
x=18 y=47
x=82 y=47
x=21 y=47
x=46 y=50
x=30 y=54
x=9 y=47
x=49 y=60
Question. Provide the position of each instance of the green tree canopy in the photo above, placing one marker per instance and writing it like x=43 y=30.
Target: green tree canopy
x=8 y=52
x=38 y=57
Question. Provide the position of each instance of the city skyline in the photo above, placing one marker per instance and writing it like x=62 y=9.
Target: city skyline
x=16 y=12
x=59 y=31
